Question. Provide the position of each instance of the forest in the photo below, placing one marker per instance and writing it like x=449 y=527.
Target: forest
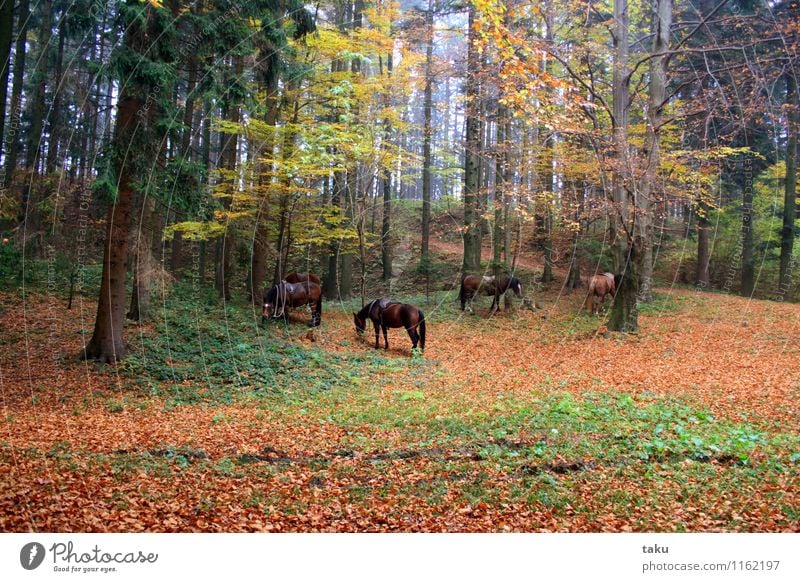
x=577 y=218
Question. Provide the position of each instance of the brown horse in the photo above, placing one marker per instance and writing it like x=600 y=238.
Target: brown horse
x=385 y=314
x=471 y=285
x=302 y=277
x=280 y=297
x=599 y=287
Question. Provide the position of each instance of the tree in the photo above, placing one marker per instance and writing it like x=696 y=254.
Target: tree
x=427 y=136
x=472 y=153
x=107 y=343
x=790 y=185
x=626 y=243
x=6 y=27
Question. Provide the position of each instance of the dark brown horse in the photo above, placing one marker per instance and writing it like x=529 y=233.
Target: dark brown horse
x=599 y=287
x=280 y=297
x=472 y=285
x=385 y=314
x=302 y=277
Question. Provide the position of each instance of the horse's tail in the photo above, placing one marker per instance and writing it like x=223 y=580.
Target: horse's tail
x=461 y=289
x=421 y=331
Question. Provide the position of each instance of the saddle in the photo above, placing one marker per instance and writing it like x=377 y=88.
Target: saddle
x=380 y=304
x=291 y=287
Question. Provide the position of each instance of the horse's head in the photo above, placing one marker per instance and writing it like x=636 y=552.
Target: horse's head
x=361 y=324
x=270 y=304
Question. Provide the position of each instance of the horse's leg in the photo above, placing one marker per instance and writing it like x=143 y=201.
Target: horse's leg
x=412 y=333
x=377 y=334
x=385 y=329
x=497 y=301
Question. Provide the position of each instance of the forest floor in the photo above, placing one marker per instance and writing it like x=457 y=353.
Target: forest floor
x=523 y=421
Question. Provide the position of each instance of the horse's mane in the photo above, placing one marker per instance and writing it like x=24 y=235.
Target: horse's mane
x=364 y=313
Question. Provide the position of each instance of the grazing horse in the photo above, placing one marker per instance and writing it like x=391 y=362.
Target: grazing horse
x=385 y=314
x=278 y=298
x=599 y=287
x=471 y=285
x=302 y=277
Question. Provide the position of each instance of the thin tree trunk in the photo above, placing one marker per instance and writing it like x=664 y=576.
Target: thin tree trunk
x=352 y=194
x=703 y=258
x=6 y=30
x=258 y=263
x=287 y=151
x=386 y=222
x=472 y=240
x=13 y=137
x=748 y=238
x=547 y=171
x=55 y=113
x=790 y=189
x=188 y=112
x=146 y=238
x=499 y=192
x=427 y=131
x=229 y=156
x=574 y=276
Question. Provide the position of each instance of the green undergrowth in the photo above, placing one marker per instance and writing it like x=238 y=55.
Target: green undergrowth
x=202 y=351
x=549 y=426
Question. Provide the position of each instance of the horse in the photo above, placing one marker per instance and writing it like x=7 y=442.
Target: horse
x=278 y=298
x=302 y=277
x=599 y=287
x=385 y=314
x=471 y=285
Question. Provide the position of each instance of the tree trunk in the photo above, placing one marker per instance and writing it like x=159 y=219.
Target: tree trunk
x=258 y=262
x=498 y=238
x=229 y=155
x=146 y=238
x=662 y=23
x=624 y=316
x=287 y=151
x=748 y=238
x=37 y=99
x=547 y=171
x=188 y=112
x=472 y=239
x=703 y=258
x=427 y=131
x=6 y=29
x=351 y=187
x=790 y=190
x=332 y=276
x=386 y=222
x=13 y=138
x=574 y=276
x=107 y=343
x=55 y=112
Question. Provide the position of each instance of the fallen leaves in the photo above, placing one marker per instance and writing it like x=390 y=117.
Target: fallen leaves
x=79 y=452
